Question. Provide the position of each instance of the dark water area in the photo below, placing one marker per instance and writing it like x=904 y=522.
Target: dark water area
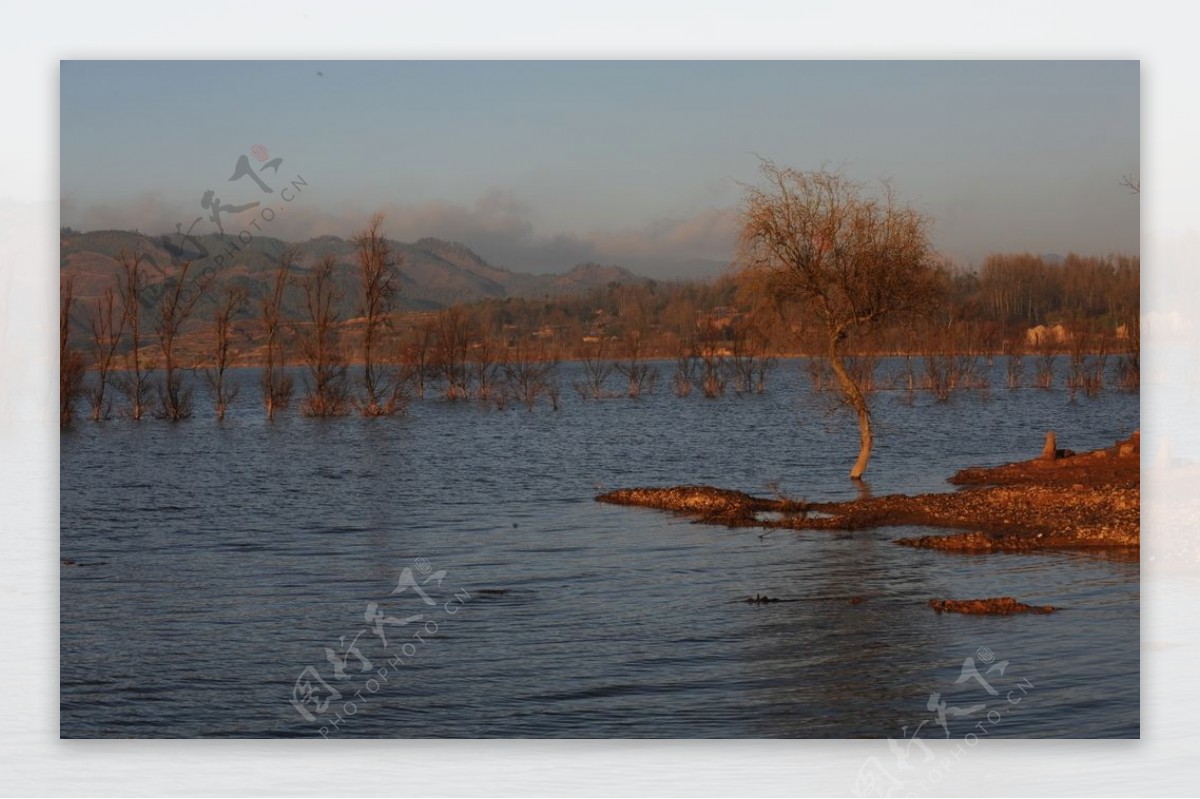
x=215 y=563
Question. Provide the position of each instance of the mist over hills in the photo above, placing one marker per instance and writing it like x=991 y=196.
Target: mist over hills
x=433 y=273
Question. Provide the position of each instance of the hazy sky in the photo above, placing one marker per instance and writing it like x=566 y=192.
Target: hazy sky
x=541 y=165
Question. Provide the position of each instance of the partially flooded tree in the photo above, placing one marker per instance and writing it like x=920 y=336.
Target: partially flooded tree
x=71 y=369
x=107 y=327
x=452 y=352
x=135 y=382
x=597 y=367
x=175 y=306
x=277 y=385
x=640 y=375
x=748 y=356
x=712 y=368
x=232 y=302
x=1014 y=351
x=531 y=371
x=685 y=367
x=485 y=366
x=327 y=391
x=418 y=351
x=1047 y=349
x=1129 y=373
x=849 y=258
x=382 y=385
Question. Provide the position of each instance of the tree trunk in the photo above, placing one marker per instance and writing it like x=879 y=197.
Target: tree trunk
x=858 y=402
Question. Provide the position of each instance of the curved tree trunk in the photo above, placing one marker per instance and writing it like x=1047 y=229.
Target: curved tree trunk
x=858 y=402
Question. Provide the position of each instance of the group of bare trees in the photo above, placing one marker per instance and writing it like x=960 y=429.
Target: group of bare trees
x=829 y=266
x=462 y=357
x=133 y=375
x=71 y=367
x=714 y=359
x=607 y=360
x=132 y=338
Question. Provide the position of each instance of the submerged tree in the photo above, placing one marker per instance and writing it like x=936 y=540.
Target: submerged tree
x=641 y=375
x=452 y=351
x=418 y=349
x=70 y=363
x=175 y=306
x=531 y=371
x=382 y=385
x=848 y=258
x=327 y=391
x=107 y=327
x=134 y=383
x=231 y=303
x=276 y=382
x=597 y=367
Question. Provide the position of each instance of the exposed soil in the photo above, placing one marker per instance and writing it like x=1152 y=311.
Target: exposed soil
x=1071 y=501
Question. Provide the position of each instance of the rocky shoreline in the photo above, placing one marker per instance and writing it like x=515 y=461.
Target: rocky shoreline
x=1060 y=500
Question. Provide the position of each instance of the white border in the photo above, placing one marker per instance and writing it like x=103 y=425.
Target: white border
x=33 y=39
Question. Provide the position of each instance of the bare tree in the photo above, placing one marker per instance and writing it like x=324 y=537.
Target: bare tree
x=1047 y=349
x=748 y=356
x=1014 y=350
x=71 y=369
x=231 y=303
x=175 y=306
x=107 y=327
x=419 y=352
x=1087 y=359
x=530 y=371
x=951 y=361
x=851 y=259
x=597 y=367
x=382 y=385
x=485 y=366
x=1129 y=370
x=135 y=381
x=277 y=385
x=640 y=375
x=685 y=368
x=328 y=393
x=711 y=376
x=453 y=350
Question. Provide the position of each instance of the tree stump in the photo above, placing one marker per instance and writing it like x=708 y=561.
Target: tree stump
x=1050 y=451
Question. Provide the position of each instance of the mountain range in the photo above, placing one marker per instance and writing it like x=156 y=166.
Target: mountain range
x=433 y=273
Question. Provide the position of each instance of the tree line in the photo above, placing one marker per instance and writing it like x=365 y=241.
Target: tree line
x=825 y=268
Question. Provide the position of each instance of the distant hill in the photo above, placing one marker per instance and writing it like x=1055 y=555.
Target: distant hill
x=433 y=273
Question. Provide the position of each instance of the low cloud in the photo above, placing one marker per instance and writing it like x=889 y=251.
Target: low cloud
x=497 y=226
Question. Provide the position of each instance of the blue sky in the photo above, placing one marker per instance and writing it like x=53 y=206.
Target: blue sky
x=541 y=165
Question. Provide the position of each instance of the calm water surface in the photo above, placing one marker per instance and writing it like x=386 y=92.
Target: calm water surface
x=216 y=562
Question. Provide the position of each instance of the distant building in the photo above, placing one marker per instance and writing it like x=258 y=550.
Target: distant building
x=1043 y=334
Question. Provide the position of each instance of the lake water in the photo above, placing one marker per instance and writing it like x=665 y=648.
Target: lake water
x=216 y=563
